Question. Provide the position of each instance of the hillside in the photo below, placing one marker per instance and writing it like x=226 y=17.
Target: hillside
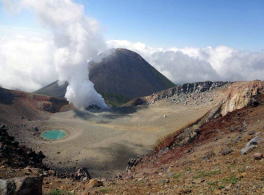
x=119 y=77
x=197 y=138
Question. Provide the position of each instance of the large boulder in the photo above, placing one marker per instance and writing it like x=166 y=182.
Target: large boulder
x=251 y=145
x=82 y=174
x=93 y=183
x=21 y=186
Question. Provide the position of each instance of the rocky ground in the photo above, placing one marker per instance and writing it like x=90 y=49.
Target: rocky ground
x=223 y=156
x=189 y=93
x=104 y=141
x=212 y=163
x=220 y=153
x=14 y=155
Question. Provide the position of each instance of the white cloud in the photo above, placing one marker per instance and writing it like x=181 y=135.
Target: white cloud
x=30 y=60
x=200 y=64
x=26 y=61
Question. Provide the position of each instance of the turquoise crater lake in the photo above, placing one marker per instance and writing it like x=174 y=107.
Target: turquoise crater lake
x=53 y=134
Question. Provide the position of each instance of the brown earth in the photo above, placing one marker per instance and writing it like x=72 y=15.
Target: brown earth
x=199 y=155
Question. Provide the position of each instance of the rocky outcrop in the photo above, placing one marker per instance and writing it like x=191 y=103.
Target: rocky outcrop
x=82 y=174
x=234 y=96
x=132 y=162
x=14 y=155
x=93 y=183
x=258 y=156
x=180 y=93
x=187 y=136
x=251 y=144
x=21 y=186
x=242 y=94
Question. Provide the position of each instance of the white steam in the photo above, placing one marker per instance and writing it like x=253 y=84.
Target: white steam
x=30 y=60
x=77 y=41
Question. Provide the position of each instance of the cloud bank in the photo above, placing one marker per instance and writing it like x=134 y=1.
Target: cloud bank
x=29 y=61
x=26 y=62
x=200 y=64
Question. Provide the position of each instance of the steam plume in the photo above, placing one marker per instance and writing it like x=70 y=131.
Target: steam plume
x=77 y=40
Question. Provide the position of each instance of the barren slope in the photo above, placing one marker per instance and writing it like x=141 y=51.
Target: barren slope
x=196 y=126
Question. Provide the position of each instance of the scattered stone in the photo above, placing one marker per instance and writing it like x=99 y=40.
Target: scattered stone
x=191 y=150
x=51 y=172
x=36 y=129
x=93 y=183
x=21 y=186
x=170 y=170
x=251 y=145
x=132 y=162
x=226 y=151
x=163 y=151
x=3 y=126
x=244 y=125
x=236 y=140
x=186 y=191
x=160 y=174
x=140 y=179
x=242 y=175
x=258 y=156
x=232 y=128
x=228 y=187
x=187 y=136
x=217 y=191
x=118 y=176
x=82 y=174
x=208 y=155
x=164 y=181
x=252 y=133
x=17 y=155
x=198 y=181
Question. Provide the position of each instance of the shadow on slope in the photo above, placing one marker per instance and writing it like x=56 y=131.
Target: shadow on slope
x=117 y=155
x=6 y=97
x=112 y=113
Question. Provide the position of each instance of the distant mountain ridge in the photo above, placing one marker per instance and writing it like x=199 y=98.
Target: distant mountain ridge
x=119 y=77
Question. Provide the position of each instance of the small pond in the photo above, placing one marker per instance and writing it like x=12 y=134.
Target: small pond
x=54 y=134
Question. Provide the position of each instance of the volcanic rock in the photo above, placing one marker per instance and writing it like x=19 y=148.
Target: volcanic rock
x=93 y=183
x=251 y=145
x=133 y=162
x=21 y=186
x=16 y=155
x=82 y=174
x=226 y=151
x=258 y=156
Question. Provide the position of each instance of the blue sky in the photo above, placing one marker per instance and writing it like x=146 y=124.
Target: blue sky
x=233 y=28
x=171 y=23
x=198 y=23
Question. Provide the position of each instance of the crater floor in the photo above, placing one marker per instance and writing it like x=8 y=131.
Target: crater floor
x=105 y=141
